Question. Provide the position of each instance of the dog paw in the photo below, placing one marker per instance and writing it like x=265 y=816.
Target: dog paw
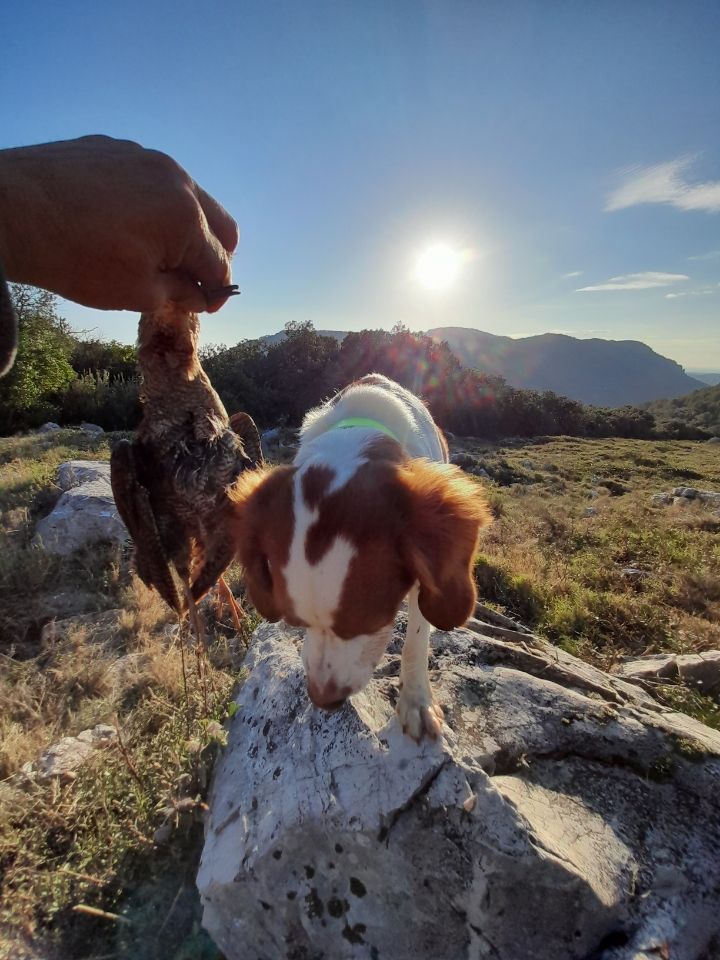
x=419 y=714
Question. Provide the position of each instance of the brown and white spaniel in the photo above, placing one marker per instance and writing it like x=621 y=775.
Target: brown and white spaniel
x=369 y=512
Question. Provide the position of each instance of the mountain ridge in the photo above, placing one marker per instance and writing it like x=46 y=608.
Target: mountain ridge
x=609 y=373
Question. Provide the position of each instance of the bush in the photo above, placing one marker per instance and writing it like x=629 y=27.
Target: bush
x=112 y=404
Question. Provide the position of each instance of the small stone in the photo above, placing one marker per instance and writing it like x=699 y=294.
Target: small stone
x=62 y=760
x=713 y=440
x=590 y=512
x=633 y=573
x=680 y=502
x=661 y=498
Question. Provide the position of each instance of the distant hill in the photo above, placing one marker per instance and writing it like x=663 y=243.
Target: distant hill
x=700 y=409
x=711 y=377
x=608 y=373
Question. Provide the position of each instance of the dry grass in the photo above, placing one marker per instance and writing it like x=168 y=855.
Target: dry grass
x=122 y=838
x=566 y=573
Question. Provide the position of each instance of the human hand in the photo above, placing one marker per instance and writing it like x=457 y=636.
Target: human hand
x=112 y=225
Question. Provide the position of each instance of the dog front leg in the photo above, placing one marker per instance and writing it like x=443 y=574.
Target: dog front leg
x=418 y=712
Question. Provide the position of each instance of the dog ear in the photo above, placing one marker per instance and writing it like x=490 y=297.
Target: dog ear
x=446 y=512
x=262 y=519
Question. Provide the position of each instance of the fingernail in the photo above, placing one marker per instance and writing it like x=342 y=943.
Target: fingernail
x=221 y=293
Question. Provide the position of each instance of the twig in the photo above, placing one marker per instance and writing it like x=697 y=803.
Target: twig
x=138 y=834
x=132 y=769
x=185 y=689
x=83 y=876
x=102 y=914
x=172 y=907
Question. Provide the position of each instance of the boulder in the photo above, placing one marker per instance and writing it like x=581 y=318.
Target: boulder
x=49 y=427
x=564 y=814
x=73 y=473
x=692 y=493
x=713 y=440
x=85 y=514
x=92 y=428
x=66 y=603
x=661 y=498
x=701 y=670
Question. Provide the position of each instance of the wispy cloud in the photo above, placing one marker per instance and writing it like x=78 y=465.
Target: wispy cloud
x=636 y=281
x=665 y=183
x=710 y=255
x=702 y=292
x=574 y=273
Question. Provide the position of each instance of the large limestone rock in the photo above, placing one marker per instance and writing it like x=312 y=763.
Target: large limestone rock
x=565 y=815
x=85 y=514
x=74 y=473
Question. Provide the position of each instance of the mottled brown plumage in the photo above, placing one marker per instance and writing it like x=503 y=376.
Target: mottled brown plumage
x=170 y=483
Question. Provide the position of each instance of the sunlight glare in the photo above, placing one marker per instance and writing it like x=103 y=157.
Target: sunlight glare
x=437 y=267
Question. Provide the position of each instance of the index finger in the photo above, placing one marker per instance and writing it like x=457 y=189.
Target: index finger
x=219 y=220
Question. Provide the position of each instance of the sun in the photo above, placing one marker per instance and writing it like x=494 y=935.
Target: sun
x=438 y=267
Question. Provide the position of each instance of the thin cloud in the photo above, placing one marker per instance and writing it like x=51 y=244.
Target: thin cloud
x=636 y=281
x=702 y=292
x=710 y=255
x=574 y=273
x=665 y=183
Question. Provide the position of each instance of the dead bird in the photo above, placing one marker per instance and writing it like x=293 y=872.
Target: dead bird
x=170 y=483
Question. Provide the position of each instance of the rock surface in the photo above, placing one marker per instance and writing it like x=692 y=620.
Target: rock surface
x=699 y=669
x=73 y=473
x=85 y=514
x=692 y=493
x=564 y=816
x=63 y=759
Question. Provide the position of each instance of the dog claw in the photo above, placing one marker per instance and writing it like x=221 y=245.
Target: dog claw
x=420 y=716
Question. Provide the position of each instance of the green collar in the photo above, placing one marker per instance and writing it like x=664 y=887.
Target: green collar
x=364 y=422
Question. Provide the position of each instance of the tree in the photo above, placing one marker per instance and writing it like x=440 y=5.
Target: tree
x=42 y=367
x=97 y=358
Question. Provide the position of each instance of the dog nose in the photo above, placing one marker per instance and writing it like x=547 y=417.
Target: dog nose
x=329 y=697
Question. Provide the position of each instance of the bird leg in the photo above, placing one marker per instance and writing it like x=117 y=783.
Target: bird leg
x=225 y=595
x=193 y=616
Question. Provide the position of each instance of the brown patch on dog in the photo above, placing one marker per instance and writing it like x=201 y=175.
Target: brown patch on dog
x=447 y=512
x=314 y=483
x=262 y=522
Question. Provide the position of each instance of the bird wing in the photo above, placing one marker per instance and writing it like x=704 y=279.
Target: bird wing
x=133 y=501
x=244 y=426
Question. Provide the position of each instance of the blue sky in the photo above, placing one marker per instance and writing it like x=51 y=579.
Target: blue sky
x=568 y=145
